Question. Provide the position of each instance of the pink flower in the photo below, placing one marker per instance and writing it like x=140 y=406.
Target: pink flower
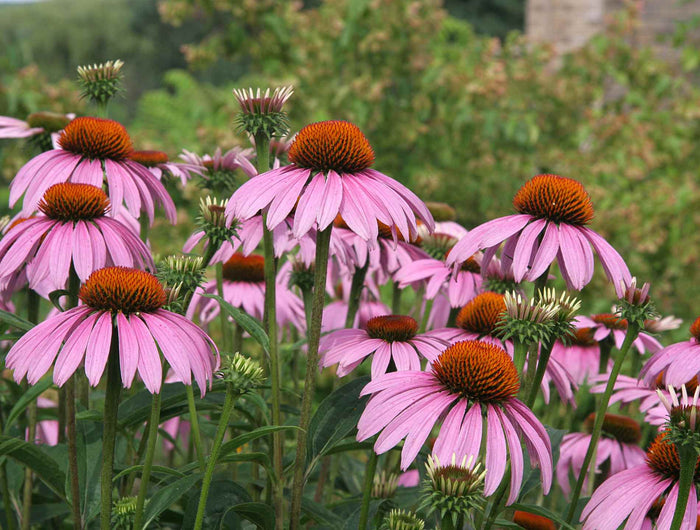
x=389 y=337
x=551 y=224
x=580 y=357
x=679 y=362
x=92 y=149
x=122 y=305
x=227 y=162
x=71 y=231
x=469 y=381
x=618 y=446
x=244 y=287
x=437 y=277
x=158 y=163
x=630 y=494
x=36 y=124
x=606 y=325
x=46 y=430
x=330 y=175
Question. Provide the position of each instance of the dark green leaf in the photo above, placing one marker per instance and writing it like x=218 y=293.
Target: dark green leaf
x=167 y=496
x=15 y=321
x=336 y=417
x=243 y=439
x=223 y=494
x=137 y=409
x=34 y=458
x=262 y=515
x=320 y=514
x=248 y=323
x=30 y=395
x=154 y=470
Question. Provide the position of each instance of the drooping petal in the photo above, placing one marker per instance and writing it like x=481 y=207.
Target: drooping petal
x=98 y=347
x=128 y=350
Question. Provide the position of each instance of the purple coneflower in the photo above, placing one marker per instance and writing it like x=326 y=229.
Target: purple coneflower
x=127 y=304
x=679 y=362
x=330 y=174
x=388 y=338
x=469 y=381
x=158 y=163
x=90 y=150
x=580 y=355
x=553 y=212
x=606 y=325
x=72 y=230
x=244 y=287
x=37 y=123
x=630 y=494
x=617 y=449
x=438 y=277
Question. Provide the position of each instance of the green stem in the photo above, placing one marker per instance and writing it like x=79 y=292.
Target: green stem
x=223 y=320
x=6 y=502
x=688 y=459
x=605 y=347
x=211 y=462
x=262 y=162
x=270 y=320
x=312 y=358
x=519 y=355
x=307 y=296
x=33 y=303
x=194 y=427
x=109 y=436
x=631 y=335
x=396 y=298
x=545 y=352
x=426 y=315
x=148 y=463
x=71 y=434
x=540 y=284
x=531 y=370
x=73 y=452
x=358 y=283
x=498 y=499
x=367 y=489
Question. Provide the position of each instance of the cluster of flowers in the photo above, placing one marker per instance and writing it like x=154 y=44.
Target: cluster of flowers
x=463 y=377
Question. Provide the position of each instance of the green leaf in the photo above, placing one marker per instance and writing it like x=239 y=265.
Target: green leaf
x=223 y=495
x=336 y=417
x=243 y=439
x=166 y=496
x=320 y=514
x=258 y=513
x=137 y=409
x=35 y=459
x=154 y=470
x=30 y=395
x=349 y=446
x=250 y=324
x=544 y=512
x=15 y=321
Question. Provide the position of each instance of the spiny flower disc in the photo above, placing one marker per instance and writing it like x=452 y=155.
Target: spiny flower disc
x=331 y=145
x=610 y=321
x=482 y=313
x=695 y=329
x=662 y=457
x=583 y=337
x=121 y=289
x=558 y=199
x=96 y=138
x=384 y=232
x=242 y=268
x=149 y=158
x=623 y=429
x=478 y=371
x=530 y=521
x=392 y=328
x=74 y=202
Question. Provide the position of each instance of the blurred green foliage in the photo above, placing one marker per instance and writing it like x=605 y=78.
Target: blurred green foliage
x=459 y=116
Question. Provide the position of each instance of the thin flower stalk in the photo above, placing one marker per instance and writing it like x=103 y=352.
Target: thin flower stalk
x=632 y=332
x=194 y=426
x=688 y=457
x=221 y=429
x=71 y=434
x=262 y=150
x=320 y=272
x=370 y=469
x=109 y=434
x=148 y=462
